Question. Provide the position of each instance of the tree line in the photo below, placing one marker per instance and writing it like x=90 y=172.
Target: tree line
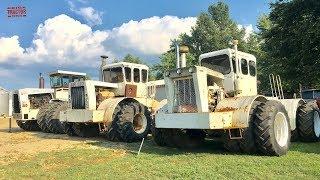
x=286 y=43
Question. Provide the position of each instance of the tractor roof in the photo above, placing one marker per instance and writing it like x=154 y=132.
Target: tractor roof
x=226 y=51
x=61 y=72
x=126 y=64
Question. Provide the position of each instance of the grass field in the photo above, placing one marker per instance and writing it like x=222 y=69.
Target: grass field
x=101 y=159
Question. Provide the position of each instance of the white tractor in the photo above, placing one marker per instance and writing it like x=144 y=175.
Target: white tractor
x=120 y=106
x=219 y=98
x=38 y=108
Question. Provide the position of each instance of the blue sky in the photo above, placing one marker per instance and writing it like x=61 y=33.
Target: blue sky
x=31 y=47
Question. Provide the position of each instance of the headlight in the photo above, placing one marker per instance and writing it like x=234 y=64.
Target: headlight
x=178 y=71
x=192 y=69
x=167 y=73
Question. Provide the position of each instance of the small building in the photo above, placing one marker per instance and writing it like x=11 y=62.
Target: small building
x=5 y=101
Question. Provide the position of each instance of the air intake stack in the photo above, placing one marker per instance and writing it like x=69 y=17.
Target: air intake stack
x=41 y=81
x=103 y=63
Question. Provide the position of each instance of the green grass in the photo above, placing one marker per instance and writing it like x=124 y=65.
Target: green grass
x=109 y=160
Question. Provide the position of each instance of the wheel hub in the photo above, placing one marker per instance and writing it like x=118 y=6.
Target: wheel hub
x=139 y=123
x=316 y=123
x=281 y=130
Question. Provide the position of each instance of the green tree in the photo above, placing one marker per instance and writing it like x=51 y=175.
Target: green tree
x=132 y=59
x=213 y=31
x=292 y=42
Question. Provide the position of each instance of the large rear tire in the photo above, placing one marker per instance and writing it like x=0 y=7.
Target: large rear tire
x=308 y=122
x=53 y=116
x=272 y=129
x=29 y=125
x=41 y=117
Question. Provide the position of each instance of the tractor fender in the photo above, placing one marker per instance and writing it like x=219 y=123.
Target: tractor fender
x=109 y=106
x=291 y=106
x=240 y=106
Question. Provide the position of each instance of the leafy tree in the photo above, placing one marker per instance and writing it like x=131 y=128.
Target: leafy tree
x=132 y=59
x=214 y=30
x=292 y=42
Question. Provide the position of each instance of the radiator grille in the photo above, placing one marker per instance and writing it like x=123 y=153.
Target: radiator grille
x=16 y=104
x=185 y=96
x=78 y=98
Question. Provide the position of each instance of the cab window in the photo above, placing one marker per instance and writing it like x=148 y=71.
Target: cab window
x=113 y=75
x=219 y=63
x=144 y=75
x=136 y=75
x=127 y=71
x=65 y=81
x=244 y=66
x=252 y=68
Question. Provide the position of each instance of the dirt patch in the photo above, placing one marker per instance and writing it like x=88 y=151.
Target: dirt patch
x=20 y=144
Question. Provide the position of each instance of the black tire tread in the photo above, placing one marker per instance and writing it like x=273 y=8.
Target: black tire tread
x=305 y=122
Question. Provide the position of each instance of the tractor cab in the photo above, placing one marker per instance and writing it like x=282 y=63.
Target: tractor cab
x=131 y=78
x=238 y=68
x=59 y=81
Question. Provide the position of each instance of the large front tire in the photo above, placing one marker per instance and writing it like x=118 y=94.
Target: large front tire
x=308 y=122
x=272 y=129
x=53 y=117
x=41 y=118
x=131 y=122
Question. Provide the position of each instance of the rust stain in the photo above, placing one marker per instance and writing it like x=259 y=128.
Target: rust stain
x=226 y=109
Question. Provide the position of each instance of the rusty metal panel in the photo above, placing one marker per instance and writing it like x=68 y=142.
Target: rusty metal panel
x=240 y=106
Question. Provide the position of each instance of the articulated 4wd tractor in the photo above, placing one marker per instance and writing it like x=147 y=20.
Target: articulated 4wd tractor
x=39 y=109
x=120 y=106
x=219 y=98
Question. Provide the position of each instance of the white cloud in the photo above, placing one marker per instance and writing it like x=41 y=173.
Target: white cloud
x=151 y=35
x=89 y=14
x=62 y=40
x=10 y=48
x=59 y=40
x=248 y=29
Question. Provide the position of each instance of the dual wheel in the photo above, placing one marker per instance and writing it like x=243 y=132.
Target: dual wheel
x=131 y=122
x=269 y=130
x=268 y=133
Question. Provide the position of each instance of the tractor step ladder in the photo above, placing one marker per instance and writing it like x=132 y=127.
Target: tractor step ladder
x=276 y=86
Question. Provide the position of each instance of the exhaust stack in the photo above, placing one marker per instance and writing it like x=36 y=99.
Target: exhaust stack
x=103 y=63
x=41 y=81
x=183 y=51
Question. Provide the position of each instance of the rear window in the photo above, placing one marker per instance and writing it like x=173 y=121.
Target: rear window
x=219 y=63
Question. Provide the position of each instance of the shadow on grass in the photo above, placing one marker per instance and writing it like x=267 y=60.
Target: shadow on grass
x=150 y=147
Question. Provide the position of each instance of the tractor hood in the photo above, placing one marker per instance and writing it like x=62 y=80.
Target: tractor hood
x=188 y=71
x=94 y=83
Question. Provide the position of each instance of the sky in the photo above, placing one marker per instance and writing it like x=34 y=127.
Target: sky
x=72 y=34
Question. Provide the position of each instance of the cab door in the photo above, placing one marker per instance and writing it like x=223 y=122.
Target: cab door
x=246 y=79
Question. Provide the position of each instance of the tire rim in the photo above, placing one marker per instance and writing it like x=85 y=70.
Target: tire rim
x=281 y=130
x=316 y=123
x=140 y=123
